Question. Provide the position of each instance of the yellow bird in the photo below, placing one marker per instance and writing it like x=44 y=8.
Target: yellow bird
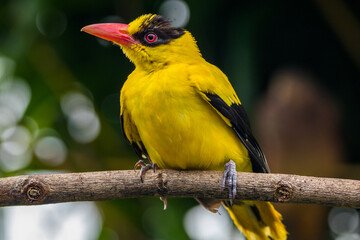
x=180 y=112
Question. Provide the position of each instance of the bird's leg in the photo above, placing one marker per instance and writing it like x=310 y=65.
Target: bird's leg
x=145 y=167
x=230 y=175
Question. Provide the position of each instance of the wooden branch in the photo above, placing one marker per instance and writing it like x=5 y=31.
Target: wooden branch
x=98 y=186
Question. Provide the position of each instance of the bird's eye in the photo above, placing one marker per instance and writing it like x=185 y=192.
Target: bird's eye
x=151 y=37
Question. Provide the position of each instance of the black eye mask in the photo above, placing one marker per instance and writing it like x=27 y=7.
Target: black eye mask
x=157 y=31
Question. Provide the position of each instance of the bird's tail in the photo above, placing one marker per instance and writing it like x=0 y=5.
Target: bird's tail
x=257 y=220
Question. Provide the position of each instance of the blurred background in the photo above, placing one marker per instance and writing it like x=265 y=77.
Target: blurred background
x=294 y=64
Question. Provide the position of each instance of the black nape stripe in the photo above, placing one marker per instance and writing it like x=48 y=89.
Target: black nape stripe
x=161 y=27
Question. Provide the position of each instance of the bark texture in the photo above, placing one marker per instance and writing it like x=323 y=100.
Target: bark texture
x=107 y=185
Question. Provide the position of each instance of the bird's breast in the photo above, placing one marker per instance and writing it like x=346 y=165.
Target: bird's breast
x=178 y=128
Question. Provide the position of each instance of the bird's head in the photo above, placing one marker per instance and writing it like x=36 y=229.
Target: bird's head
x=149 y=41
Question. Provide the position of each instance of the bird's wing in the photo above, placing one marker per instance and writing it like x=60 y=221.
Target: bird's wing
x=214 y=88
x=132 y=136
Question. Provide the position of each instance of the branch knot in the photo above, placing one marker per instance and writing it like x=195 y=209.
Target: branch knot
x=33 y=191
x=283 y=192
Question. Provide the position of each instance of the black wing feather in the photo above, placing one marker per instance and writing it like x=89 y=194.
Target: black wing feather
x=241 y=126
x=138 y=147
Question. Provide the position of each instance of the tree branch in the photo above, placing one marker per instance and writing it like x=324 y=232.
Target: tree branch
x=107 y=185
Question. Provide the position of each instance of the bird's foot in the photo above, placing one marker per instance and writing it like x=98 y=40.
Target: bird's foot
x=145 y=167
x=165 y=202
x=230 y=175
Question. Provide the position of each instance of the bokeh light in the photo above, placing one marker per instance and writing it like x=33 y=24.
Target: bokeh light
x=177 y=11
x=343 y=221
x=202 y=224
x=7 y=118
x=51 y=150
x=349 y=236
x=76 y=221
x=83 y=122
x=51 y=23
x=84 y=125
x=15 y=151
x=15 y=95
x=72 y=101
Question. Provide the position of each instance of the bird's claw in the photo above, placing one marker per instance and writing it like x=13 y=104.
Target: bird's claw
x=145 y=167
x=230 y=175
x=165 y=202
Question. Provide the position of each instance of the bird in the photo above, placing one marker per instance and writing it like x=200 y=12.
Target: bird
x=179 y=111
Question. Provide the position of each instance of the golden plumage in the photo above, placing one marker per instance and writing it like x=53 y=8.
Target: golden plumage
x=182 y=113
